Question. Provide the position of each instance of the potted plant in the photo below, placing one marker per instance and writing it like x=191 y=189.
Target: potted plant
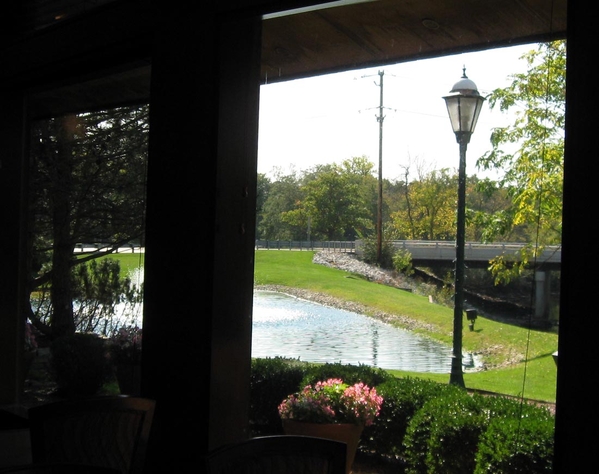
x=125 y=352
x=331 y=409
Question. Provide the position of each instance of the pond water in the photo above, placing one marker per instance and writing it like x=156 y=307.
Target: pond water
x=291 y=327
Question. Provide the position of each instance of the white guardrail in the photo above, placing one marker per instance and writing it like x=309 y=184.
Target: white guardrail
x=444 y=250
x=420 y=249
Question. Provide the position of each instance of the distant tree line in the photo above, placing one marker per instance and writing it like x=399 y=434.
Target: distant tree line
x=339 y=202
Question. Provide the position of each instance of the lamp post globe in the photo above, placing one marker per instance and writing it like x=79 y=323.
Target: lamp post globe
x=463 y=106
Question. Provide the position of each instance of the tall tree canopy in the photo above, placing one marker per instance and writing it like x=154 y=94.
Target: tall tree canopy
x=428 y=212
x=281 y=196
x=87 y=186
x=334 y=204
x=529 y=153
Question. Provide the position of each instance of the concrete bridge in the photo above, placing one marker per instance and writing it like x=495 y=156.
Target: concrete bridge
x=430 y=253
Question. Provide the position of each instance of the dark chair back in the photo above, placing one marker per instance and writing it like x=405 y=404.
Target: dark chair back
x=57 y=468
x=109 y=432
x=279 y=455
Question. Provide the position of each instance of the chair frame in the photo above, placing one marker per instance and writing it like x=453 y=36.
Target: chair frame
x=283 y=445
x=57 y=468
x=63 y=409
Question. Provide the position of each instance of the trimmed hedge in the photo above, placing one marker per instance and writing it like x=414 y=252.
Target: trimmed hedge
x=350 y=374
x=402 y=398
x=442 y=437
x=431 y=427
x=518 y=441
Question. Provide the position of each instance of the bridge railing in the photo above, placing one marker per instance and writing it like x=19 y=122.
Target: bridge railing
x=332 y=245
x=445 y=250
x=419 y=249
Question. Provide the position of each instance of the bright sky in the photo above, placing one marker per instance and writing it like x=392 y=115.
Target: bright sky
x=329 y=119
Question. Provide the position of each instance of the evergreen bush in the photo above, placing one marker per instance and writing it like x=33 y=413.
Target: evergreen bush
x=455 y=434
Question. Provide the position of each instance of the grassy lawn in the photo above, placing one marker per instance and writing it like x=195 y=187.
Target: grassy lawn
x=129 y=261
x=522 y=358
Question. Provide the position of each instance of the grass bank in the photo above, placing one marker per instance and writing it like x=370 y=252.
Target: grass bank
x=520 y=360
x=129 y=261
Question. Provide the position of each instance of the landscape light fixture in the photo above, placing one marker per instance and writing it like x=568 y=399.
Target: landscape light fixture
x=463 y=105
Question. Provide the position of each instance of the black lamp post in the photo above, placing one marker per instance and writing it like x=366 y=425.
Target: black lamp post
x=464 y=106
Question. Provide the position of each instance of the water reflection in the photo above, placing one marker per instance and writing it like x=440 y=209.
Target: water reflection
x=290 y=327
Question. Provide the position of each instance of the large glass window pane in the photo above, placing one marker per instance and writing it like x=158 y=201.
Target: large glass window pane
x=87 y=200
x=315 y=181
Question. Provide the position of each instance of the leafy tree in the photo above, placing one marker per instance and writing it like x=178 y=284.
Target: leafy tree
x=360 y=171
x=402 y=262
x=98 y=290
x=487 y=202
x=429 y=213
x=88 y=186
x=262 y=191
x=282 y=196
x=331 y=203
x=530 y=154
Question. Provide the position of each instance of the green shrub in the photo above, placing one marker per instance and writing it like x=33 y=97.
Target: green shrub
x=518 y=440
x=402 y=398
x=402 y=262
x=455 y=435
x=80 y=364
x=271 y=381
x=443 y=435
x=350 y=374
x=431 y=427
x=370 y=249
x=507 y=407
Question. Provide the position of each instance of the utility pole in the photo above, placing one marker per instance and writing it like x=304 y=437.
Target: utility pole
x=379 y=217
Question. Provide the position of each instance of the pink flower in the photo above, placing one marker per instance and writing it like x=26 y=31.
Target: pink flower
x=332 y=401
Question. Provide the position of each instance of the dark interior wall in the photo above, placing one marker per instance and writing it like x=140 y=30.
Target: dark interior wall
x=200 y=232
x=235 y=227
x=576 y=416
x=13 y=171
x=181 y=197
